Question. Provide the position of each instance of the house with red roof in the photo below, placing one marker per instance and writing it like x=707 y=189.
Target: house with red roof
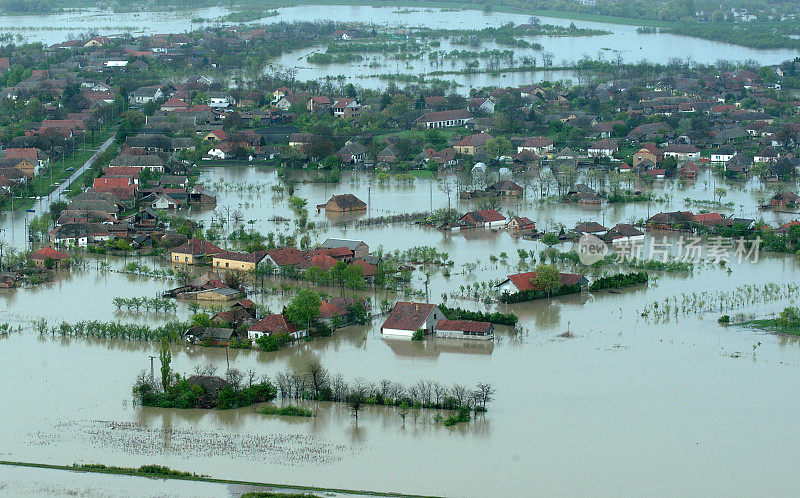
x=284 y=259
x=707 y=219
x=472 y=144
x=520 y=223
x=174 y=105
x=524 y=282
x=408 y=317
x=465 y=329
x=193 y=251
x=274 y=324
x=47 y=256
x=538 y=145
x=486 y=218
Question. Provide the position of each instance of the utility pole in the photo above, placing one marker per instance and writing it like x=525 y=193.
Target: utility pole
x=152 y=369
x=226 y=358
x=369 y=201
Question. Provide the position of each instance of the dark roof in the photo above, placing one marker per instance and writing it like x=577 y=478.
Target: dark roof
x=589 y=227
x=347 y=201
x=197 y=247
x=433 y=117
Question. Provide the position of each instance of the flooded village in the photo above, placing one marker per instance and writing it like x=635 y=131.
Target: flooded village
x=341 y=250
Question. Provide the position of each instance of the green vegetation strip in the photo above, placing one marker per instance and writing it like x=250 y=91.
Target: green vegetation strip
x=186 y=476
x=286 y=411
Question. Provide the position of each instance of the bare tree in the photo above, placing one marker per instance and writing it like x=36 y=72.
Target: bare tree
x=284 y=381
x=298 y=383
x=251 y=377
x=339 y=387
x=356 y=397
x=460 y=393
x=234 y=377
x=317 y=376
x=209 y=369
x=484 y=393
x=440 y=393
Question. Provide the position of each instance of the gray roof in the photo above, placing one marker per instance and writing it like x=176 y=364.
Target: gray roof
x=348 y=243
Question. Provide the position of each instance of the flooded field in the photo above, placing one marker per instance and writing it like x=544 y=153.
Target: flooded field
x=623 y=41
x=629 y=404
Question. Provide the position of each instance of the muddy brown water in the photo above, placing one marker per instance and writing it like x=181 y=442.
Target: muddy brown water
x=627 y=405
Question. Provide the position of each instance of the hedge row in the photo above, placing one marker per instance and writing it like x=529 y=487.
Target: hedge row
x=533 y=294
x=619 y=280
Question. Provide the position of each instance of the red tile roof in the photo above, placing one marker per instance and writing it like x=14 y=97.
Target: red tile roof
x=464 y=326
x=706 y=217
x=271 y=324
x=523 y=280
x=48 y=252
x=287 y=256
x=484 y=216
x=369 y=269
x=408 y=316
x=197 y=247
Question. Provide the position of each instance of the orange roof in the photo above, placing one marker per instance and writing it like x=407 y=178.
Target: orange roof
x=48 y=253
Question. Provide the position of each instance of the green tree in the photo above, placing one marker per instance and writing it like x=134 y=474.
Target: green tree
x=166 y=358
x=303 y=308
x=547 y=278
x=550 y=239
x=56 y=208
x=499 y=146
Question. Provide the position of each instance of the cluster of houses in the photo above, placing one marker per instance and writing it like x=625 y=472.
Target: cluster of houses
x=243 y=322
x=280 y=262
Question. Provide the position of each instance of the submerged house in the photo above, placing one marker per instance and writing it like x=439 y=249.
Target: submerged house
x=524 y=282
x=465 y=329
x=408 y=317
x=274 y=324
x=343 y=203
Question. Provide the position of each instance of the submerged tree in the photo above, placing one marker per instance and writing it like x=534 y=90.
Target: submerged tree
x=166 y=358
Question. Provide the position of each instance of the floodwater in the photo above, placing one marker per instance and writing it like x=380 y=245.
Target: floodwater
x=631 y=405
x=624 y=41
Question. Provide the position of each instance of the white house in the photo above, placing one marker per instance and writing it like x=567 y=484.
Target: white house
x=682 y=152
x=624 y=233
x=408 y=317
x=603 y=148
x=273 y=324
x=722 y=155
x=538 y=145
x=219 y=100
x=165 y=202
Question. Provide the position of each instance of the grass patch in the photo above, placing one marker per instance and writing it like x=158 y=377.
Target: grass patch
x=187 y=476
x=286 y=411
x=788 y=322
x=144 y=470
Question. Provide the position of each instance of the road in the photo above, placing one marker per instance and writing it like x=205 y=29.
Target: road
x=44 y=202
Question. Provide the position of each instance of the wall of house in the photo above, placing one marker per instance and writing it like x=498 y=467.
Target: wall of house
x=230 y=264
x=186 y=259
x=457 y=334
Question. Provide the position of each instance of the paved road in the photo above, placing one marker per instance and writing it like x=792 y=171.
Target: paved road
x=44 y=203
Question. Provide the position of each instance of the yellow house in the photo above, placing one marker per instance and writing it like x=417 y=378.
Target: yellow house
x=471 y=144
x=193 y=251
x=240 y=261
